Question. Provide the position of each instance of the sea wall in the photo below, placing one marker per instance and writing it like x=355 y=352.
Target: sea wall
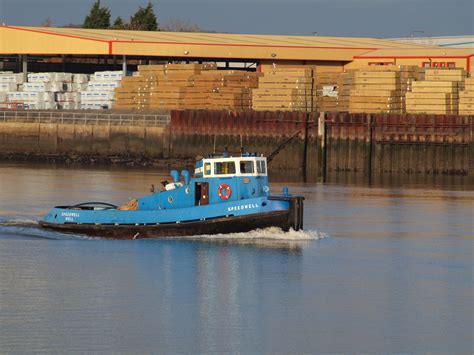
x=315 y=143
x=322 y=143
x=84 y=134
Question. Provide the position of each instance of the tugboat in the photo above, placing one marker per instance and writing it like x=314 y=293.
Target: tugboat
x=226 y=195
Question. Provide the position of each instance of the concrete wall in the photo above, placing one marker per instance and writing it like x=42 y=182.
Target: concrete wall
x=68 y=139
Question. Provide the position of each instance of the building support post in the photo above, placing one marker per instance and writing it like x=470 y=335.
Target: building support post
x=124 y=65
x=24 y=66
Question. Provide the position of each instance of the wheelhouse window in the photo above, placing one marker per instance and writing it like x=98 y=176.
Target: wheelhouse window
x=246 y=167
x=222 y=168
x=261 y=167
x=207 y=169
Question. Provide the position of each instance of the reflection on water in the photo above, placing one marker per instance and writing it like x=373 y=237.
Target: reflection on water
x=380 y=268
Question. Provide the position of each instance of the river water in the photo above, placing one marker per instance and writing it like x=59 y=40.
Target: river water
x=380 y=269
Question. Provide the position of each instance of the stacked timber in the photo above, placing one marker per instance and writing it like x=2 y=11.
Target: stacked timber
x=382 y=89
x=173 y=87
x=285 y=89
x=466 y=98
x=333 y=91
x=134 y=91
x=187 y=86
x=227 y=89
x=127 y=96
x=438 y=93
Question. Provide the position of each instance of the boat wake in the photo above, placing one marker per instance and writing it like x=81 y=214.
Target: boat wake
x=271 y=238
x=19 y=222
x=271 y=233
x=25 y=228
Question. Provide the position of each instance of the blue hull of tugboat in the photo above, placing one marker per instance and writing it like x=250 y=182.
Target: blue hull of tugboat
x=284 y=212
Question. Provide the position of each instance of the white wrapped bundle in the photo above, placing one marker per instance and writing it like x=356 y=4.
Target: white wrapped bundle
x=41 y=77
x=37 y=86
x=50 y=105
x=14 y=96
x=69 y=105
x=57 y=86
x=80 y=78
x=64 y=77
x=41 y=106
x=73 y=96
x=60 y=97
x=71 y=87
x=103 y=85
x=43 y=86
x=33 y=96
x=79 y=86
x=108 y=75
x=39 y=96
x=11 y=78
x=4 y=87
x=45 y=96
x=68 y=96
x=96 y=95
x=49 y=77
x=95 y=105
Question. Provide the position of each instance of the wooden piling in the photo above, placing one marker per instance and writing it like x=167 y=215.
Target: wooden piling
x=369 y=147
x=322 y=140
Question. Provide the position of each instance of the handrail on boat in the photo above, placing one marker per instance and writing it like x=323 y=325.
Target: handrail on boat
x=92 y=204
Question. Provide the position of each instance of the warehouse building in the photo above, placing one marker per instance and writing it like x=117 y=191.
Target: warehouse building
x=442 y=41
x=86 y=50
x=176 y=70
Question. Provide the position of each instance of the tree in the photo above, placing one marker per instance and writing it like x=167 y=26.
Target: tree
x=99 y=17
x=144 y=19
x=120 y=24
x=177 y=25
x=71 y=25
x=47 y=23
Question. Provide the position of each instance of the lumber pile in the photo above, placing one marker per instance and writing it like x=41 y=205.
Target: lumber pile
x=333 y=91
x=285 y=89
x=173 y=88
x=382 y=89
x=187 y=86
x=438 y=93
x=466 y=98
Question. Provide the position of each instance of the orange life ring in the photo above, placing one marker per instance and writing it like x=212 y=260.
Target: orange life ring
x=224 y=191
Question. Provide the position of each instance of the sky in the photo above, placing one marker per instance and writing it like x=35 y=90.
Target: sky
x=360 y=18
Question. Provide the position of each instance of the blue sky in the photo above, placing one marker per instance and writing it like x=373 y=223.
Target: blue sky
x=372 y=18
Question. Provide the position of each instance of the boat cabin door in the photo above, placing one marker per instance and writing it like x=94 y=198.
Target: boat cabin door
x=201 y=194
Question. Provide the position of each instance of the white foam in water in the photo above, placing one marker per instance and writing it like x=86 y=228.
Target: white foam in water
x=271 y=233
x=268 y=238
x=19 y=222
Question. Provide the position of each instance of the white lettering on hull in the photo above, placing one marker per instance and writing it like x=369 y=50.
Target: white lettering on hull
x=242 y=207
x=69 y=214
